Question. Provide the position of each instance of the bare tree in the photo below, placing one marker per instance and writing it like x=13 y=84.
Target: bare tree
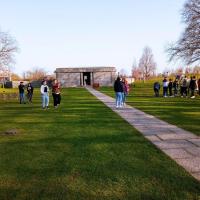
x=123 y=72
x=188 y=70
x=196 y=70
x=8 y=48
x=35 y=74
x=147 y=65
x=179 y=70
x=187 y=48
x=15 y=77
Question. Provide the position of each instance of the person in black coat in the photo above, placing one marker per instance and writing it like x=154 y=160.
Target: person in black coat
x=170 y=86
x=118 y=88
x=29 y=92
x=193 y=86
x=21 y=93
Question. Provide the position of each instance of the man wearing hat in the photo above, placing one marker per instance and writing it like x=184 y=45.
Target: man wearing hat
x=21 y=93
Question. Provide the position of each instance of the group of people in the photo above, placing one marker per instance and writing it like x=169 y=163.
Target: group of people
x=29 y=95
x=121 y=89
x=44 y=90
x=183 y=86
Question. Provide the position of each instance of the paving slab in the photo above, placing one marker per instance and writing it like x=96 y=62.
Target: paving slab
x=153 y=138
x=180 y=145
x=193 y=150
x=195 y=141
x=174 y=136
x=196 y=175
x=178 y=153
x=192 y=165
x=173 y=144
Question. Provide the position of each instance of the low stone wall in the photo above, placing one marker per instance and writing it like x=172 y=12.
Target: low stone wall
x=9 y=96
x=15 y=84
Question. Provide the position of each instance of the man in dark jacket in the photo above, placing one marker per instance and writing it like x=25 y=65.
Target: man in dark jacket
x=21 y=93
x=170 y=86
x=193 y=86
x=118 y=88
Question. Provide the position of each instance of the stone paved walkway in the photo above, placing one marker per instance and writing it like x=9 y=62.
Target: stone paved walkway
x=182 y=146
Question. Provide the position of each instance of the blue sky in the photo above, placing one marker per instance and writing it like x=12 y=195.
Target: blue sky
x=75 y=33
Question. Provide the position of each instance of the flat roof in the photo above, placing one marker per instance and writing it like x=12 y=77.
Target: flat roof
x=85 y=69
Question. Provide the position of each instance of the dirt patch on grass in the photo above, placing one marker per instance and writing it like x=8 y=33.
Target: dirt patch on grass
x=10 y=132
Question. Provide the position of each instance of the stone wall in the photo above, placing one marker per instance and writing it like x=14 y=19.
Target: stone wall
x=104 y=78
x=69 y=79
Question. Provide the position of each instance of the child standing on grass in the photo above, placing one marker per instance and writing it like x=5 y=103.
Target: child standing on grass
x=44 y=89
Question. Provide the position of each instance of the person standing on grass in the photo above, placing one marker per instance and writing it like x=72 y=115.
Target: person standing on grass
x=29 y=92
x=181 y=86
x=175 y=86
x=125 y=91
x=56 y=93
x=165 y=87
x=21 y=93
x=44 y=89
x=170 y=85
x=118 y=88
x=198 y=84
x=193 y=86
x=156 y=87
x=184 y=87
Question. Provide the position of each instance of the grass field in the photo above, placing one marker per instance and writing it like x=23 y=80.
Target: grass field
x=183 y=112
x=82 y=151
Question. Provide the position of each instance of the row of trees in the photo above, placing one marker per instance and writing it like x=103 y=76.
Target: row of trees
x=34 y=74
x=188 y=71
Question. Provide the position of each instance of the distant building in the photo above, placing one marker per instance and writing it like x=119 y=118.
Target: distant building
x=5 y=76
x=74 y=77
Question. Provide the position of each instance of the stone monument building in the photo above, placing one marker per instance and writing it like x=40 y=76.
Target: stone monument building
x=75 y=77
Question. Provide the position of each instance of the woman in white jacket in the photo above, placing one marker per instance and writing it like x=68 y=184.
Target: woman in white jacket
x=44 y=89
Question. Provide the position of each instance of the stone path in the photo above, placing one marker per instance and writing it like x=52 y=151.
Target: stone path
x=182 y=146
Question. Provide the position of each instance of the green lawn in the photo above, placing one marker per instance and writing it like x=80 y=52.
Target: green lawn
x=183 y=112
x=83 y=151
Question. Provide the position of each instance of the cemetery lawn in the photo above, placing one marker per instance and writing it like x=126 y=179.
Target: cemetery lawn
x=182 y=112
x=82 y=150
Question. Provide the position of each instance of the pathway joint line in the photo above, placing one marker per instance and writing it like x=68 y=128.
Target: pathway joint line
x=180 y=145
